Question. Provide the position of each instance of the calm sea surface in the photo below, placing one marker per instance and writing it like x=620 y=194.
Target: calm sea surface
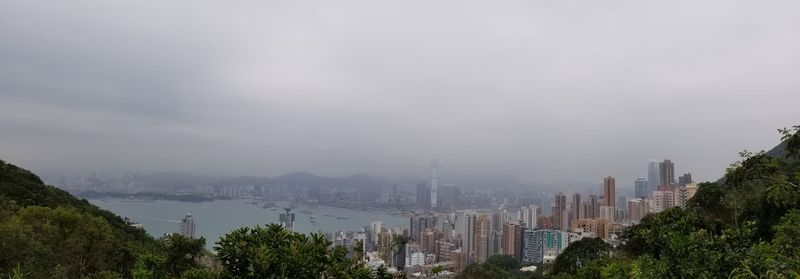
x=218 y=217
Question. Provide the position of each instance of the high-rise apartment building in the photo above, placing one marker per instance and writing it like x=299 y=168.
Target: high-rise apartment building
x=188 y=226
x=652 y=177
x=558 y=211
x=683 y=194
x=592 y=208
x=575 y=208
x=663 y=198
x=666 y=169
x=460 y=260
x=434 y=182
x=482 y=237
x=468 y=236
x=512 y=240
x=533 y=246
x=385 y=246
x=609 y=191
x=419 y=224
x=640 y=187
x=637 y=209
x=427 y=240
x=535 y=212
x=685 y=179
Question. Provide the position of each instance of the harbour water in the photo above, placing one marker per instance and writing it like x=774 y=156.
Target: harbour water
x=216 y=218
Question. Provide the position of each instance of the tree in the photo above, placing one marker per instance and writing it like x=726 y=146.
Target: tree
x=61 y=242
x=274 y=251
x=580 y=253
x=181 y=253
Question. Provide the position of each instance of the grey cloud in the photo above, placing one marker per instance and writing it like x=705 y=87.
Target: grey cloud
x=543 y=90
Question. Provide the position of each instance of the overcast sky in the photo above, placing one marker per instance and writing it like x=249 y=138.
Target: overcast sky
x=546 y=91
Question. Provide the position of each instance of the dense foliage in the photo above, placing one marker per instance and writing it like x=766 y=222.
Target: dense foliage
x=747 y=225
x=497 y=266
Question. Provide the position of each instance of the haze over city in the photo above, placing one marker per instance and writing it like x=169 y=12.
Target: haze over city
x=544 y=91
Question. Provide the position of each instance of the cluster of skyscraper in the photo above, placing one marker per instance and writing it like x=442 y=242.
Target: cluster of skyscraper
x=518 y=228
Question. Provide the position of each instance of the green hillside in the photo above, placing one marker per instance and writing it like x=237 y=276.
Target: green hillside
x=47 y=233
x=747 y=225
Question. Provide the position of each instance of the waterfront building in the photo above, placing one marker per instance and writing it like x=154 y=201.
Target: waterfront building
x=287 y=219
x=188 y=226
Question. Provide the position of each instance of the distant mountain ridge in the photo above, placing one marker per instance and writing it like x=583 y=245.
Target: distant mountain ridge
x=307 y=179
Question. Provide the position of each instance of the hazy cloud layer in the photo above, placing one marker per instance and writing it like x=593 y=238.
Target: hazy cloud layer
x=543 y=90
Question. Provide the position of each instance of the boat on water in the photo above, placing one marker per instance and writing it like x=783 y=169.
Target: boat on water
x=343 y=217
x=269 y=205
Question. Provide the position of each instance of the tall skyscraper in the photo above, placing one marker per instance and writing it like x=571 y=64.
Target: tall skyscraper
x=609 y=191
x=535 y=211
x=512 y=240
x=592 y=208
x=640 y=188
x=575 y=208
x=558 y=211
x=434 y=182
x=423 y=195
x=685 y=179
x=666 y=169
x=652 y=177
x=468 y=236
x=188 y=226
x=482 y=235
